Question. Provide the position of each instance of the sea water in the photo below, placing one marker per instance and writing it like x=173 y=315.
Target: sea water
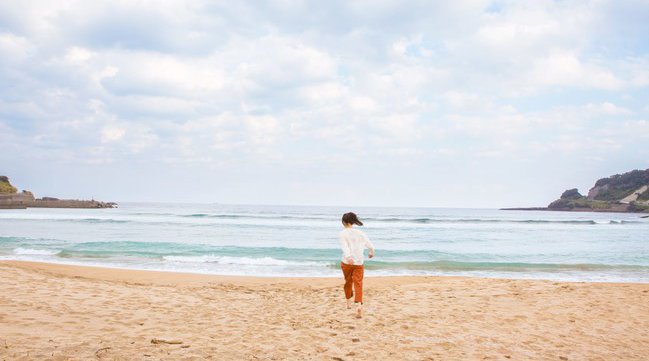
x=262 y=240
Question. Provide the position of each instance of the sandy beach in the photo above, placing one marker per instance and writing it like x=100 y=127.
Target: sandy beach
x=61 y=312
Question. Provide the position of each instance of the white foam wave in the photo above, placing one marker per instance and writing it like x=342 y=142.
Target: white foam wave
x=262 y=261
x=35 y=252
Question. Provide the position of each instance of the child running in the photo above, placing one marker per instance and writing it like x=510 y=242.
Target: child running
x=353 y=243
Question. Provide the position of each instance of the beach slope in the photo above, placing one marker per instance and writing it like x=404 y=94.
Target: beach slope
x=59 y=312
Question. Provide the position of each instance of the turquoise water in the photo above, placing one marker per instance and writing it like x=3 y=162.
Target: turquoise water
x=302 y=241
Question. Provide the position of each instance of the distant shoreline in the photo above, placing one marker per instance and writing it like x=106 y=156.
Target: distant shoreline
x=569 y=210
x=11 y=199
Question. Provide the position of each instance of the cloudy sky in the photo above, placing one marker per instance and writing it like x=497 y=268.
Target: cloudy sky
x=396 y=103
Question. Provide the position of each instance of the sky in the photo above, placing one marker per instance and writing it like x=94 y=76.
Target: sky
x=361 y=103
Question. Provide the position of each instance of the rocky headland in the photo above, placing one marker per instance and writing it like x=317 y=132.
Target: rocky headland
x=10 y=198
x=627 y=192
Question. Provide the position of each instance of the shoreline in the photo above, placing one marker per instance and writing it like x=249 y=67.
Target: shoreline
x=62 y=312
x=179 y=278
x=120 y=273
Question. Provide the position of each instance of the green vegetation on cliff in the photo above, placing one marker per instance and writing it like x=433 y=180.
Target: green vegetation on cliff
x=637 y=207
x=582 y=202
x=571 y=194
x=619 y=186
x=644 y=196
x=5 y=186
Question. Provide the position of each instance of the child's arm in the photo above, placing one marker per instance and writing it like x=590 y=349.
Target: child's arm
x=369 y=245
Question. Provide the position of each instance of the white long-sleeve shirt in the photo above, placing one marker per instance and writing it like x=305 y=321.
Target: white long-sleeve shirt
x=353 y=242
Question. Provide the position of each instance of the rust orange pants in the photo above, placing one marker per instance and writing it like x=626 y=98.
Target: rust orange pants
x=353 y=277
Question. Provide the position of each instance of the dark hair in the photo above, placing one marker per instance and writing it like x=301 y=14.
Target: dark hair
x=350 y=218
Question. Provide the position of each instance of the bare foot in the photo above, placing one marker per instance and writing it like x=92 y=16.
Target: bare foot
x=359 y=312
x=349 y=303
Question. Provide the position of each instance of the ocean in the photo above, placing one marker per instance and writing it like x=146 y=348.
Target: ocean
x=263 y=240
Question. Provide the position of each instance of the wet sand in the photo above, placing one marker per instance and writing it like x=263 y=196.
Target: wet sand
x=61 y=312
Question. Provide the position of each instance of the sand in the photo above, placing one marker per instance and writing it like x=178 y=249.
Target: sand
x=60 y=312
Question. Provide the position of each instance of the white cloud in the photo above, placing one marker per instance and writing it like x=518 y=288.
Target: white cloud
x=263 y=129
x=565 y=69
x=324 y=93
x=78 y=55
x=606 y=108
x=363 y=105
x=112 y=134
x=522 y=29
x=464 y=100
x=14 y=48
x=141 y=73
x=400 y=127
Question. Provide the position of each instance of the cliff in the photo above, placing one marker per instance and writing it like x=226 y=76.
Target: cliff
x=627 y=187
x=11 y=199
x=627 y=192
